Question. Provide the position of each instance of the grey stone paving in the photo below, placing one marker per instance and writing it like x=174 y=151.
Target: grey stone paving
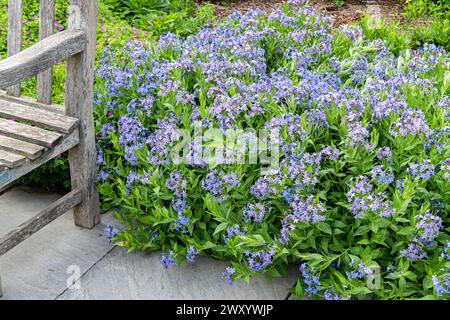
x=137 y=276
x=41 y=266
x=16 y=209
x=37 y=268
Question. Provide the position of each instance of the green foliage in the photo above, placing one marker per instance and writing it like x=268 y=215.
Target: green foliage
x=437 y=32
x=180 y=22
x=429 y=21
x=156 y=17
x=420 y=8
x=132 y=9
x=54 y=176
x=426 y=21
x=178 y=16
x=388 y=31
x=322 y=89
x=111 y=32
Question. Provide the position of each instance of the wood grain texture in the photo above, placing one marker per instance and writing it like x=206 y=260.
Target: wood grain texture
x=12 y=160
x=29 y=150
x=28 y=133
x=65 y=144
x=38 y=117
x=45 y=79
x=27 y=101
x=36 y=223
x=40 y=56
x=78 y=103
x=15 y=29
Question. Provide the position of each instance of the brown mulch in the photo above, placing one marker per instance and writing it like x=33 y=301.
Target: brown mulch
x=351 y=11
x=222 y=10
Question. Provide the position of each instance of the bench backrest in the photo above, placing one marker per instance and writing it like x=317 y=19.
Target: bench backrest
x=77 y=44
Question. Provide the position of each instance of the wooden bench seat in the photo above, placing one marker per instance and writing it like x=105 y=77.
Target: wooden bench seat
x=28 y=134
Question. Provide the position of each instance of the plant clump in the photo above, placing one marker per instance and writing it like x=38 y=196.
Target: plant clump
x=358 y=193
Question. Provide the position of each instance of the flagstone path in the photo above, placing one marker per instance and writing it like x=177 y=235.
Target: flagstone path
x=65 y=262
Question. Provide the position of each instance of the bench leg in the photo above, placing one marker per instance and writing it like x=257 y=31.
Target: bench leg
x=78 y=103
x=83 y=174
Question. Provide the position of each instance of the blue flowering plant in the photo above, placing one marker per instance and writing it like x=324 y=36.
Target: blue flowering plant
x=274 y=140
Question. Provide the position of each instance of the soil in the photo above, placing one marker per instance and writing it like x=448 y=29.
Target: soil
x=350 y=11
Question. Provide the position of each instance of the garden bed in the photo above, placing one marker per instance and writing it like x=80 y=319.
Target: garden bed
x=356 y=125
x=347 y=12
x=351 y=179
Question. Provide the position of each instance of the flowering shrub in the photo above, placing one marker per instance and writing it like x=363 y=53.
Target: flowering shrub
x=111 y=31
x=359 y=191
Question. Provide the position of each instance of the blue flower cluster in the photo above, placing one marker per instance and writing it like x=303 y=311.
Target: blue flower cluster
x=179 y=204
x=219 y=184
x=359 y=271
x=260 y=260
x=364 y=201
x=310 y=279
x=254 y=212
x=168 y=260
x=442 y=283
x=356 y=133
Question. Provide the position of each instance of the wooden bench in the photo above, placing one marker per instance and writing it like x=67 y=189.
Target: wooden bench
x=33 y=132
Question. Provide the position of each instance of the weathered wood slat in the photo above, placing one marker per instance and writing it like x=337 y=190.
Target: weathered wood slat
x=41 y=56
x=15 y=29
x=78 y=44
x=32 y=103
x=12 y=160
x=78 y=102
x=65 y=144
x=31 y=151
x=28 y=133
x=36 y=223
x=41 y=118
x=45 y=79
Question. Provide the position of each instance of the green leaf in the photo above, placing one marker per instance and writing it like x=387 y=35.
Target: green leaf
x=311 y=257
x=362 y=230
x=360 y=290
x=324 y=227
x=406 y=231
x=364 y=242
x=298 y=290
x=220 y=228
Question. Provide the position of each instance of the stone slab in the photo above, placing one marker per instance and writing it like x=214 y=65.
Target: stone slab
x=19 y=204
x=139 y=276
x=62 y=261
x=40 y=267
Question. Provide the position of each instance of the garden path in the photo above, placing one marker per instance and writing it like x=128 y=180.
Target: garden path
x=40 y=267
